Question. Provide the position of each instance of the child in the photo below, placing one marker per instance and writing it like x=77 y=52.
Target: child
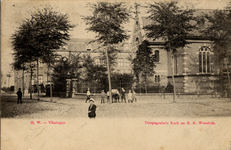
x=123 y=95
x=19 y=93
x=88 y=95
x=129 y=96
x=92 y=109
x=103 y=94
x=134 y=96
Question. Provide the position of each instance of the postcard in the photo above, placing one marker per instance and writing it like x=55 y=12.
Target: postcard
x=115 y=75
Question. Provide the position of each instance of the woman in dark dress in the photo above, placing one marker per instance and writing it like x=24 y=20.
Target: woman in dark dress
x=92 y=109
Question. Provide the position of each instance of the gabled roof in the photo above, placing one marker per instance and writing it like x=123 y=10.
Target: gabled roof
x=81 y=44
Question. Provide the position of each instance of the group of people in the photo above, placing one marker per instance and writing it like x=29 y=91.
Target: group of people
x=92 y=107
x=115 y=95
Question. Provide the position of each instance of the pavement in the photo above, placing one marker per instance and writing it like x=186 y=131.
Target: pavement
x=117 y=125
x=146 y=106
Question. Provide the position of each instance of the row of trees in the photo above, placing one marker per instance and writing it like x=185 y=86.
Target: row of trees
x=38 y=36
x=46 y=30
x=88 y=75
x=219 y=32
x=174 y=25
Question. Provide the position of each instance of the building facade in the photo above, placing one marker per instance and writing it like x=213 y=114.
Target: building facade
x=195 y=66
x=76 y=46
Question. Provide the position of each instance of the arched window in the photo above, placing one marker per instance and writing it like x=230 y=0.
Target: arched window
x=157 y=78
x=157 y=56
x=204 y=60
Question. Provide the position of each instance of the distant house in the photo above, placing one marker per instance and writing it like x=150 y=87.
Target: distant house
x=195 y=69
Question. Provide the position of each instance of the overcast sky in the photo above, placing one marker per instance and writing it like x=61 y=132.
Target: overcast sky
x=14 y=11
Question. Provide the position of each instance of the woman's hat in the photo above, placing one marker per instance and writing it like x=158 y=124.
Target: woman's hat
x=92 y=100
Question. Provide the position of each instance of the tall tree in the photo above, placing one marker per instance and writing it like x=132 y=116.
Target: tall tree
x=106 y=21
x=93 y=72
x=38 y=35
x=143 y=63
x=171 y=24
x=219 y=31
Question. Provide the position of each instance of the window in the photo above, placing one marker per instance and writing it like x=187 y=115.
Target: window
x=40 y=64
x=137 y=41
x=157 y=78
x=204 y=60
x=103 y=62
x=120 y=62
x=97 y=61
x=126 y=63
x=157 y=56
x=40 y=79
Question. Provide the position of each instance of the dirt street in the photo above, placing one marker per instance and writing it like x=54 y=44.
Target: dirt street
x=147 y=106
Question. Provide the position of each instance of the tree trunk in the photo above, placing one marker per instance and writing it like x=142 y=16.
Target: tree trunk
x=109 y=75
x=228 y=78
x=146 y=87
x=31 y=74
x=38 y=78
x=173 y=79
x=23 y=81
x=140 y=87
x=50 y=83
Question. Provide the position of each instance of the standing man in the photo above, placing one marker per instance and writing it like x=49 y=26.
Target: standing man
x=92 y=109
x=19 y=93
x=88 y=94
x=123 y=95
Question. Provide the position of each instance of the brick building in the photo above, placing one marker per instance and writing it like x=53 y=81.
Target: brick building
x=196 y=70
x=76 y=46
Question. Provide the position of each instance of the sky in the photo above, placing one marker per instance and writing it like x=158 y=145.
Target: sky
x=13 y=12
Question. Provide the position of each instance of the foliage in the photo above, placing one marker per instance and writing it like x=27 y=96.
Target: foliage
x=169 y=88
x=93 y=72
x=38 y=35
x=59 y=76
x=106 y=21
x=122 y=81
x=112 y=56
x=143 y=63
x=63 y=70
x=170 y=23
x=219 y=31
